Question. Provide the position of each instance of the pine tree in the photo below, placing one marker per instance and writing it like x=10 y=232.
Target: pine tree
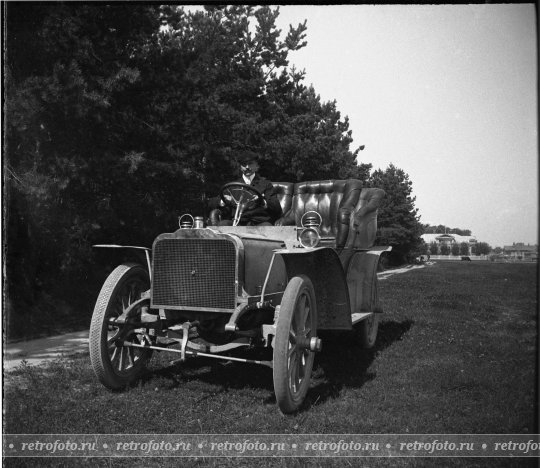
x=121 y=117
x=398 y=220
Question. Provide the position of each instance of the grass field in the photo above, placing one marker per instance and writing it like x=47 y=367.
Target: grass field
x=456 y=353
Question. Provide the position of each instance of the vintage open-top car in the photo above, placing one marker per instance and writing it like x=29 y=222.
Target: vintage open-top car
x=210 y=291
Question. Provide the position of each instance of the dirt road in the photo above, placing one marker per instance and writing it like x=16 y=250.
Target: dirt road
x=38 y=351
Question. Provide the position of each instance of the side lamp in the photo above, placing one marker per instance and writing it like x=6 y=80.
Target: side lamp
x=186 y=221
x=310 y=236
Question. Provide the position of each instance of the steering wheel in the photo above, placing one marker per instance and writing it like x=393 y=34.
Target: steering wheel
x=241 y=196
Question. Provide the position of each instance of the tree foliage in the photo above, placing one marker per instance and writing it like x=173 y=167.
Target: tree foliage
x=482 y=248
x=442 y=229
x=120 y=117
x=398 y=219
x=423 y=249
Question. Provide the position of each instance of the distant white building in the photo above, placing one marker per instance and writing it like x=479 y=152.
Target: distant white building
x=449 y=239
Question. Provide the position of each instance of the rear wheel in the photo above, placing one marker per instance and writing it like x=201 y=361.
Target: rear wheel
x=115 y=365
x=293 y=359
x=366 y=331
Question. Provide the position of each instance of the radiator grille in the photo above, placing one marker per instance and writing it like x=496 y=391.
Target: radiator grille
x=194 y=273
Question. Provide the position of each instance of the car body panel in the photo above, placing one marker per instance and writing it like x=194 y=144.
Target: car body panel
x=323 y=267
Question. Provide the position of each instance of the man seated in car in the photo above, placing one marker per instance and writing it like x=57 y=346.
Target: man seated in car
x=255 y=214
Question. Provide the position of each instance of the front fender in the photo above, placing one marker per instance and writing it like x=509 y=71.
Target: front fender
x=143 y=255
x=323 y=267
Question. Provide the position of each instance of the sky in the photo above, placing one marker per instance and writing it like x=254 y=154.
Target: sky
x=448 y=93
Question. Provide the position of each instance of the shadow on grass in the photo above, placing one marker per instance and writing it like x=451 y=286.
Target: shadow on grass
x=344 y=363
x=227 y=374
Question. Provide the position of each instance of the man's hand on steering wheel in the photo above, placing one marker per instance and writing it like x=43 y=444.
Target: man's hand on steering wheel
x=228 y=198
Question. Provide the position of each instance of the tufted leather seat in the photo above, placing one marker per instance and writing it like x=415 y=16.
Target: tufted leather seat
x=334 y=200
x=362 y=236
x=284 y=192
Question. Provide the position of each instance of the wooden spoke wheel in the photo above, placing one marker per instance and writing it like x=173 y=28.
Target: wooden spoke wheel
x=293 y=359
x=116 y=365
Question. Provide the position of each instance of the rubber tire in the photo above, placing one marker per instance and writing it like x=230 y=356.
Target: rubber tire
x=287 y=399
x=366 y=331
x=110 y=377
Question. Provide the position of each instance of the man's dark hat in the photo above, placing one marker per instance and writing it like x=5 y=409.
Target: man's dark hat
x=245 y=157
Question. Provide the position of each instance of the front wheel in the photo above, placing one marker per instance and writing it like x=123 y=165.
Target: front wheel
x=293 y=359
x=115 y=365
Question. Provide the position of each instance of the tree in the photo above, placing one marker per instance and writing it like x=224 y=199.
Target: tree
x=67 y=67
x=482 y=248
x=455 y=249
x=433 y=248
x=442 y=229
x=445 y=250
x=398 y=219
x=464 y=248
x=423 y=249
x=460 y=232
x=121 y=117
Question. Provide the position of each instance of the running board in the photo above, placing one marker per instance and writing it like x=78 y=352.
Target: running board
x=359 y=316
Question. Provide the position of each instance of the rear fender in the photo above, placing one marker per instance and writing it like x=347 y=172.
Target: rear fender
x=142 y=255
x=323 y=267
x=362 y=280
